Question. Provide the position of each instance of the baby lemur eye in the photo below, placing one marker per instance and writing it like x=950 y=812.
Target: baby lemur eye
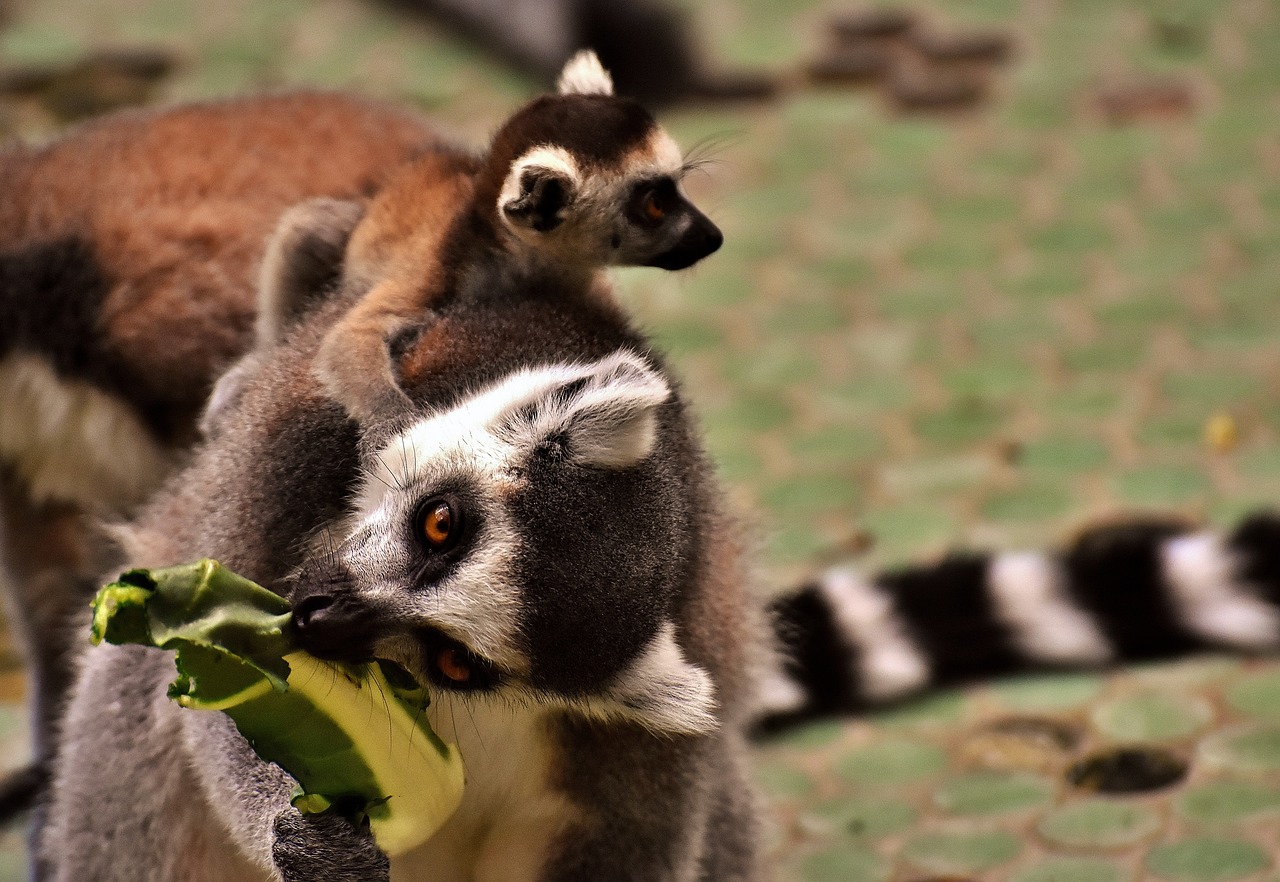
x=652 y=210
x=439 y=525
x=653 y=200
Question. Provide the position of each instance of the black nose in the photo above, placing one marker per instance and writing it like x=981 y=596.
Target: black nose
x=334 y=626
x=702 y=238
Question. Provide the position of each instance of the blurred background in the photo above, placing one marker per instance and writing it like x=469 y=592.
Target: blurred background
x=993 y=269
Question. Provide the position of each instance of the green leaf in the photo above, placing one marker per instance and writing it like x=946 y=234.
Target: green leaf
x=354 y=737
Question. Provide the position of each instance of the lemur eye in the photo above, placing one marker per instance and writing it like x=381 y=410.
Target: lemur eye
x=438 y=525
x=652 y=201
x=652 y=210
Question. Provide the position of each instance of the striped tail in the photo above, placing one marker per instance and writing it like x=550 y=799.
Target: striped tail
x=1144 y=589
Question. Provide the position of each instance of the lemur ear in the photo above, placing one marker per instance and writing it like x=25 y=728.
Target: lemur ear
x=583 y=74
x=303 y=262
x=606 y=417
x=537 y=196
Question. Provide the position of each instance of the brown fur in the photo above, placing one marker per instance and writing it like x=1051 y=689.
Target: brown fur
x=398 y=244
x=178 y=204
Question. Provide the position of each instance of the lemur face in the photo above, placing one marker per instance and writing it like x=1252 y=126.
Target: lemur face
x=632 y=214
x=591 y=179
x=524 y=540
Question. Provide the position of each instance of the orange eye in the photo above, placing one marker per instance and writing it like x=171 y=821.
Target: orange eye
x=453 y=665
x=652 y=210
x=438 y=525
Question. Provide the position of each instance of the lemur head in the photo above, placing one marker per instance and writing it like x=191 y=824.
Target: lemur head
x=528 y=539
x=590 y=179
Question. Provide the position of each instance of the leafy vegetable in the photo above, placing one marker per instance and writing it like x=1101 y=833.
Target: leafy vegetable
x=356 y=740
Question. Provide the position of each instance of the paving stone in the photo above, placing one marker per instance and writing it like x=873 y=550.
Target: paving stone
x=892 y=762
x=780 y=780
x=846 y=864
x=1021 y=744
x=1071 y=869
x=966 y=422
x=961 y=852
x=1045 y=693
x=1062 y=455
x=1154 y=716
x=1207 y=860
x=1258 y=696
x=1226 y=801
x=898 y=528
x=1099 y=824
x=1161 y=486
x=944 y=709
x=989 y=793
x=1243 y=749
x=1028 y=503
x=809 y=736
x=862 y=818
x=1188 y=673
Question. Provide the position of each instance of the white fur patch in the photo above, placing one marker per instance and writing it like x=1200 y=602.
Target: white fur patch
x=511 y=813
x=72 y=442
x=1210 y=600
x=665 y=154
x=583 y=74
x=889 y=663
x=662 y=691
x=1031 y=602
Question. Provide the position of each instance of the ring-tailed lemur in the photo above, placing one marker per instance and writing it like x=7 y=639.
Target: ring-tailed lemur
x=124 y=293
x=542 y=541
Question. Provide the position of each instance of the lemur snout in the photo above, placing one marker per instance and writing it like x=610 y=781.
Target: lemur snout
x=700 y=239
x=333 y=626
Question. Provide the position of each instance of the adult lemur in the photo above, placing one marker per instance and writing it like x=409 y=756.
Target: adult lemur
x=128 y=255
x=538 y=507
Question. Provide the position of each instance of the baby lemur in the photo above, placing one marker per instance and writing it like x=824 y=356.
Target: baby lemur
x=572 y=183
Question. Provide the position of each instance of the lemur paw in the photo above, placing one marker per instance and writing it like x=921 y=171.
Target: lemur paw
x=326 y=848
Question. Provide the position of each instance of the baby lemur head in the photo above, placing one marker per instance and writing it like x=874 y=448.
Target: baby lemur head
x=590 y=179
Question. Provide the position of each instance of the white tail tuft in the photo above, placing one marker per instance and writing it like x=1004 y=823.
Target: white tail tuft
x=583 y=74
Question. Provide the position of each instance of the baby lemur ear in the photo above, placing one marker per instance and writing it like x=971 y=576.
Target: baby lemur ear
x=583 y=74
x=302 y=264
x=539 y=189
x=605 y=417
